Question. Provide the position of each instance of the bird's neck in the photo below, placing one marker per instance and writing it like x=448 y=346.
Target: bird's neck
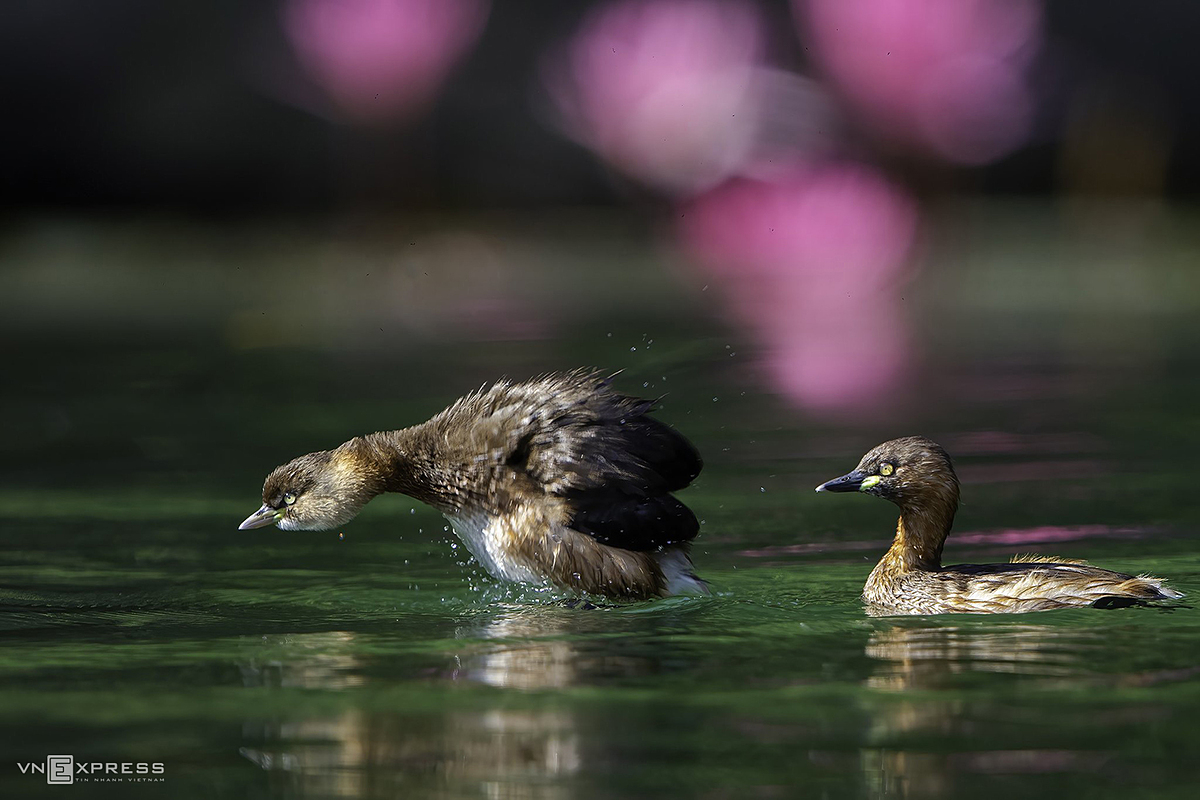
x=920 y=534
x=403 y=461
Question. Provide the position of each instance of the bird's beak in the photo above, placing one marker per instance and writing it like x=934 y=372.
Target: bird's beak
x=262 y=518
x=850 y=482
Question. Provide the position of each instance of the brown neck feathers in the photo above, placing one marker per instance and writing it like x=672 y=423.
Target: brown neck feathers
x=404 y=461
x=921 y=532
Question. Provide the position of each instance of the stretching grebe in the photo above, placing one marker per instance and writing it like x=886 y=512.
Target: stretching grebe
x=558 y=480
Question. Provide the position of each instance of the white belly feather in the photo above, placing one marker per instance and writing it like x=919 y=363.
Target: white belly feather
x=489 y=538
x=486 y=538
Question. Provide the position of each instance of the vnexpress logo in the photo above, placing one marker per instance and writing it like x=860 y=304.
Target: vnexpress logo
x=60 y=769
x=64 y=769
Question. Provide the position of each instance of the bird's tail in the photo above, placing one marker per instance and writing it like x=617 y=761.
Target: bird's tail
x=679 y=575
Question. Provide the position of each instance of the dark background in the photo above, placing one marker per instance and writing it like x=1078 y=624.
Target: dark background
x=176 y=106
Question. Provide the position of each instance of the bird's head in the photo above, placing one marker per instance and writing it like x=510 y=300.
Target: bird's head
x=314 y=492
x=910 y=472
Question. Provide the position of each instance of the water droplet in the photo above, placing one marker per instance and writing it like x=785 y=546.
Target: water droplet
x=633 y=349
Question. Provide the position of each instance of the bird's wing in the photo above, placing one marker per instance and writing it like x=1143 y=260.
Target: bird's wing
x=602 y=452
x=1038 y=583
x=634 y=523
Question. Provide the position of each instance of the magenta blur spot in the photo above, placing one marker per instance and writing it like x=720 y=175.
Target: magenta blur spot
x=382 y=60
x=809 y=261
x=667 y=92
x=946 y=76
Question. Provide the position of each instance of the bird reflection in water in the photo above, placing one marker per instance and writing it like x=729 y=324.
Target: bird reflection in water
x=529 y=750
x=537 y=648
x=317 y=754
x=943 y=657
x=929 y=657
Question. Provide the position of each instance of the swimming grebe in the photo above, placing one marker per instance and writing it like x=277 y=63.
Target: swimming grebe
x=917 y=475
x=558 y=480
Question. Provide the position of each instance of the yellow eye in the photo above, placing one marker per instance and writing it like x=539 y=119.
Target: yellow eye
x=289 y=498
x=886 y=469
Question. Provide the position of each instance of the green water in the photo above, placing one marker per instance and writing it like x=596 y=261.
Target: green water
x=138 y=625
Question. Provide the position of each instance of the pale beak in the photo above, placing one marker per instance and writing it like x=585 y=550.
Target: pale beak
x=262 y=518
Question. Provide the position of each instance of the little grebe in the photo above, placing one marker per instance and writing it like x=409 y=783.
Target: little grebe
x=558 y=480
x=917 y=475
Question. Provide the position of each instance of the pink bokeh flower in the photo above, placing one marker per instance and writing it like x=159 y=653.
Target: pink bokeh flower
x=809 y=261
x=382 y=60
x=946 y=76
x=663 y=90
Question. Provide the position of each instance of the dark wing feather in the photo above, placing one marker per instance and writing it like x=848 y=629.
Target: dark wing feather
x=634 y=523
x=585 y=436
x=668 y=460
x=615 y=464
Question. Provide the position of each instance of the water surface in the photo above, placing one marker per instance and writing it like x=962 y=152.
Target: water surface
x=138 y=625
